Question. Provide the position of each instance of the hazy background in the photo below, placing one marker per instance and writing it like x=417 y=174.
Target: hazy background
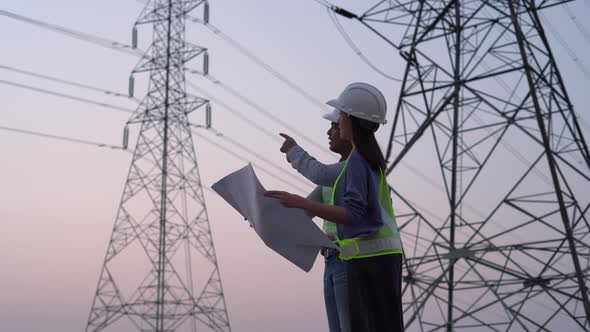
x=58 y=200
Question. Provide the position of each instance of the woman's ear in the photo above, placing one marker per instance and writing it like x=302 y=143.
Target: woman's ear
x=345 y=126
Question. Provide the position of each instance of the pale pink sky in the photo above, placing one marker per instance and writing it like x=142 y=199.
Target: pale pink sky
x=58 y=200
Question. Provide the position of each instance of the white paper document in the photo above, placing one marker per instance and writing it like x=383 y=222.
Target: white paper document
x=289 y=232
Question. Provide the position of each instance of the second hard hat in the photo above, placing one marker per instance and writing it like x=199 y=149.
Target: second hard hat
x=363 y=101
x=332 y=116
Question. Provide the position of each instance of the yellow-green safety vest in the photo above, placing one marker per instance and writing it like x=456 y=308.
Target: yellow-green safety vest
x=329 y=227
x=386 y=241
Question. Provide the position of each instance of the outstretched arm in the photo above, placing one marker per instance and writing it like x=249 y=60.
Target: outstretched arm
x=319 y=173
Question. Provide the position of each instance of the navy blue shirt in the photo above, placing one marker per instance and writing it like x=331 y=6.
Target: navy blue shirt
x=358 y=192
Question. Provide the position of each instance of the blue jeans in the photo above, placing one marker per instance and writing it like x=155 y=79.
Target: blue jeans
x=336 y=295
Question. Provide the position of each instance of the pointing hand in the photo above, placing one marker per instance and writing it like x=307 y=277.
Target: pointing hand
x=288 y=143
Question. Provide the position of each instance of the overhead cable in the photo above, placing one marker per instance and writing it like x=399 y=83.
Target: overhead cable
x=234 y=154
x=246 y=149
x=575 y=20
x=235 y=112
x=247 y=53
x=67 y=96
x=261 y=157
x=265 y=112
x=356 y=50
x=120 y=46
x=66 y=82
x=75 y=34
x=61 y=138
x=567 y=47
x=324 y=3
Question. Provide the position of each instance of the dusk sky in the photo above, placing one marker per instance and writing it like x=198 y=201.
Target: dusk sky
x=58 y=200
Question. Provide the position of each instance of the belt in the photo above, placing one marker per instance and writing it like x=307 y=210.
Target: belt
x=329 y=252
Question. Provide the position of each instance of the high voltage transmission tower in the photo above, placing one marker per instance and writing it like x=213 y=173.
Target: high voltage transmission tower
x=160 y=272
x=484 y=105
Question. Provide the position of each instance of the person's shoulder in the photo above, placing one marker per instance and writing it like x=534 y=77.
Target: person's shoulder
x=356 y=156
x=357 y=160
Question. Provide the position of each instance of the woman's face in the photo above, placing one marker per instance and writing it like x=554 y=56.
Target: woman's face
x=345 y=127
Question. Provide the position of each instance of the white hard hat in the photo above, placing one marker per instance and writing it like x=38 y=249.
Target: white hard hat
x=363 y=101
x=332 y=116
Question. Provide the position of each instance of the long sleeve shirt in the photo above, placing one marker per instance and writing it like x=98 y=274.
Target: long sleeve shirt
x=357 y=190
x=316 y=195
x=313 y=170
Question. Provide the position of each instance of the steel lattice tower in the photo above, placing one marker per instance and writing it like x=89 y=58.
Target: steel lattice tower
x=484 y=105
x=162 y=229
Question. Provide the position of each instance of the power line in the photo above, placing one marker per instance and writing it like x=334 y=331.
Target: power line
x=580 y=27
x=110 y=44
x=267 y=67
x=61 y=138
x=566 y=46
x=261 y=157
x=67 y=82
x=251 y=151
x=264 y=111
x=235 y=112
x=247 y=53
x=67 y=96
x=120 y=46
x=586 y=36
x=324 y=3
x=128 y=49
x=572 y=54
x=234 y=154
x=257 y=60
x=356 y=50
x=273 y=136
x=75 y=34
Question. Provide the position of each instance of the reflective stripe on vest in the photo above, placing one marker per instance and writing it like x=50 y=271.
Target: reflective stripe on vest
x=386 y=241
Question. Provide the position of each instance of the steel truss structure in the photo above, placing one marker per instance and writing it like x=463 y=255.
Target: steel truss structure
x=484 y=104
x=162 y=232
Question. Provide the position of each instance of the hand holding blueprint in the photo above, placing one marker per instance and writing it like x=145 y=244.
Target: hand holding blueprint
x=289 y=232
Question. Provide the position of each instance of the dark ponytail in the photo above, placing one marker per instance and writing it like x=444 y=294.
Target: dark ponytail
x=363 y=137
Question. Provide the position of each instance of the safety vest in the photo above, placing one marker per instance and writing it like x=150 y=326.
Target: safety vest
x=329 y=227
x=386 y=241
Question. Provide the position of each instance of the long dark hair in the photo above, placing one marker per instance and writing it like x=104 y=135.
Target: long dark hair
x=363 y=137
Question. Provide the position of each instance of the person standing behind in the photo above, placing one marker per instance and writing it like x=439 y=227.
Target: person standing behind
x=360 y=204
x=323 y=175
